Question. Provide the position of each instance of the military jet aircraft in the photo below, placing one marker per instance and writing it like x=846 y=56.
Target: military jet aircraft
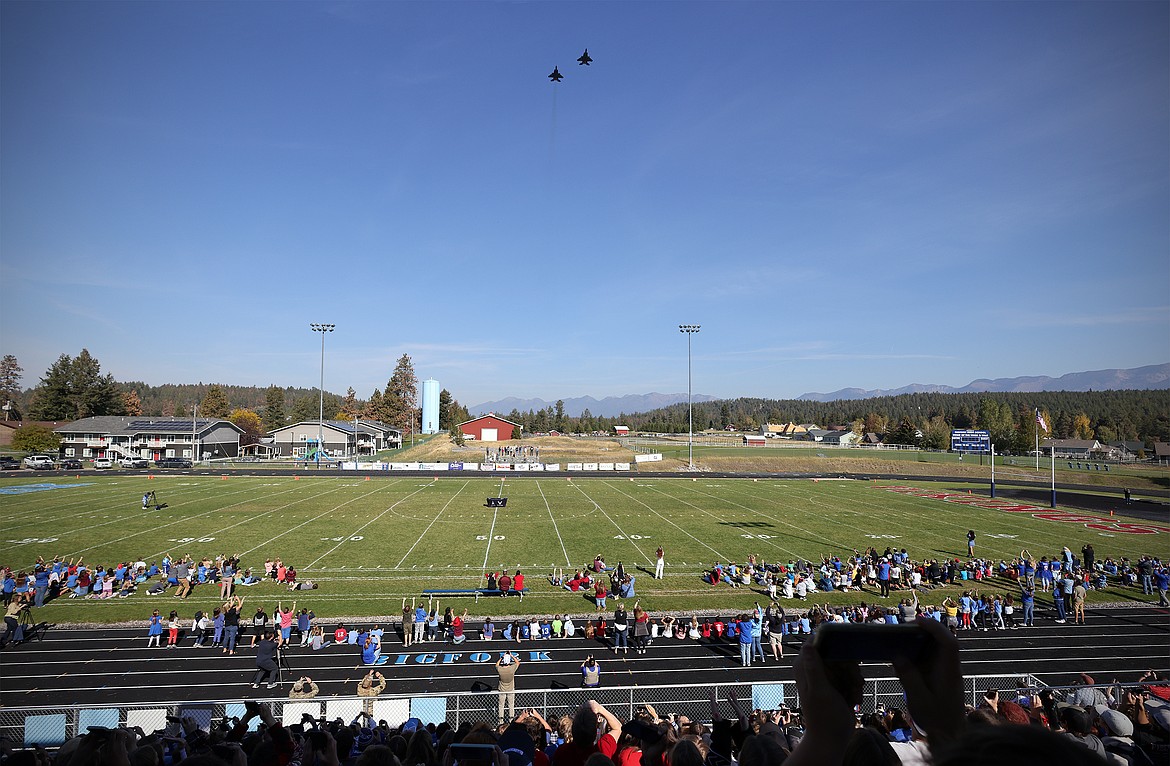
x=556 y=75
x=584 y=60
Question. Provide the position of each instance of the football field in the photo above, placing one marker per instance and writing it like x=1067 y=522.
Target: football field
x=369 y=542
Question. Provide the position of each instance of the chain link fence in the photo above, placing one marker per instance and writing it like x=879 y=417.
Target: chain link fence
x=51 y=727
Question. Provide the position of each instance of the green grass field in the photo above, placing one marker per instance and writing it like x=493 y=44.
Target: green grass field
x=371 y=542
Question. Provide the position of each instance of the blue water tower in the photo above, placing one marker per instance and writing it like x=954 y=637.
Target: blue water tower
x=430 y=406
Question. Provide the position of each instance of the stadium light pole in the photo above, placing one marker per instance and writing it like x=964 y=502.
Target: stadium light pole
x=321 y=328
x=689 y=330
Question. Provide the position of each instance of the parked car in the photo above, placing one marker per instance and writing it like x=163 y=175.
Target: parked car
x=173 y=462
x=39 y=462
x=71 y=464
x=9 y=463
x=134 y=462
x=102 y=462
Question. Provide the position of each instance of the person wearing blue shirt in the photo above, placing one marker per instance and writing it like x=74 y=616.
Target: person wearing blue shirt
x=884 y=578
x=420 y=623
x=371 y=654
x=743 y=628
x=1028 y=602
x=41 y=580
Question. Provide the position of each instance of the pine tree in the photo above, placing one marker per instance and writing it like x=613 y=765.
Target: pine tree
x=75 y=388
x=273 y=408
x=11 y=374
x=349 y=407
x=444 y=410
x=215 y=403
x=131 y=404
x=401 y=395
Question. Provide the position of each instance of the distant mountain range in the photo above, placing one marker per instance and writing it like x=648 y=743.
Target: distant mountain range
x=1151 y=377
x=610 y=406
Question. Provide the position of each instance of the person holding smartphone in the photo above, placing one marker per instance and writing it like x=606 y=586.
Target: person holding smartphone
x=506 y=667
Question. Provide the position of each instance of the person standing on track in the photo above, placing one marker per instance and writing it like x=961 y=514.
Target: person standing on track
x=659 y=563
x=154 y=635
x=506 y=668
x=266 y=659
x=970 y=543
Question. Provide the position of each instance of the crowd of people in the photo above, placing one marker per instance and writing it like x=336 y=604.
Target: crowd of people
x=512 y=453
x=1092 y=724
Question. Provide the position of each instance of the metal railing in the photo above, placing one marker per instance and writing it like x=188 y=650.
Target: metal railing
x=51 y=726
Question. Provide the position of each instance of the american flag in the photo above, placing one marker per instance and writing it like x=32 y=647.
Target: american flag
x=1040 y=420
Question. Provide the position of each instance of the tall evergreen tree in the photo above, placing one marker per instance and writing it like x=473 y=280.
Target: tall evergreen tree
x=349 y=407
x=444 y=410
x=11 y=374
x=399 y=401
x=75 y=388
x=215 y=403
x=273 y=408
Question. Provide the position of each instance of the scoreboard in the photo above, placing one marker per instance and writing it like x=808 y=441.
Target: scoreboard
x=970 y=440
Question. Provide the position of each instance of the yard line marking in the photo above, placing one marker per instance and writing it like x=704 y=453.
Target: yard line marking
x=144 y=531
x=769 y=518
x=250 y=519
x=446 y=505
x=668 y=521
x=560 y=539
x=491 y=532
x=577 y=486
x=65 y=510
x=270 y=540
x=371 y=521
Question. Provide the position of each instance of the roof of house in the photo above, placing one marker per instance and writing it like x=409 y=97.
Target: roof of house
x=1162 y=449
x=345 y=426
x=129 y=425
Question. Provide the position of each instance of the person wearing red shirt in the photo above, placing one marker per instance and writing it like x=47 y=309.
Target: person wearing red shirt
x=505 y=584
x=518 y=582
x=591 y=718
x=718 y=628
x=599 y=595
x=457 y=628
x=340 y=635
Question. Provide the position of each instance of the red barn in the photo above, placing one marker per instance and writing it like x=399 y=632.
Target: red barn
x=489 y=428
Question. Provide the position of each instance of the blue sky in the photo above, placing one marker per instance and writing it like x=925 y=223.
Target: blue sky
x=841 y=194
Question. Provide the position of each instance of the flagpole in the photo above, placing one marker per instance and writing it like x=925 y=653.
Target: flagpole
x=1037 y=430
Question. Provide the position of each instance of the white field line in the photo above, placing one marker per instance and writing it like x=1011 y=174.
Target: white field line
x=884 y=507
x=1059 y=536
x=668 y=521
x=368 y=523
x=250 y=519
x=127 y=537
x=66 y=510
x=491 y=533
x=553 y=518
x=749 y=509
x=269 y=541
x=442 y=510
x=618 y=527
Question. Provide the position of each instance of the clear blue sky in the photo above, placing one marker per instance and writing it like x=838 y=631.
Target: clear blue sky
x=841 y=194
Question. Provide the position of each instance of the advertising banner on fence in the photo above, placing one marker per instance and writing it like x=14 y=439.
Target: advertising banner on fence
x=404 y=467
x=605 y=466
x=621 y=466
x=652 y=458
x=574 y=466
x=433 y=466
x=520 y=467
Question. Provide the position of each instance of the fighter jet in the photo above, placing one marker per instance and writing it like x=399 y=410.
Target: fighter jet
x=556 y=75
x=584 y=60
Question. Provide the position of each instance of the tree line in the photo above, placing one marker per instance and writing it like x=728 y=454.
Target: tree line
x=924 y=419
x=74 y=388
